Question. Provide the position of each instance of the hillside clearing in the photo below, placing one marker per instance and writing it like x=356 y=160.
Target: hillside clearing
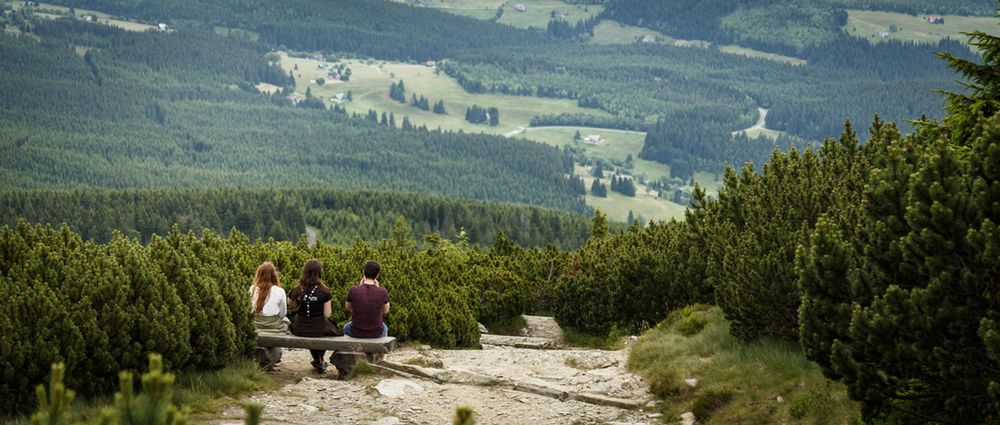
x=878 y=26
x=100 y=17
x=370 y=81
x=535 y=13
x=613 y=32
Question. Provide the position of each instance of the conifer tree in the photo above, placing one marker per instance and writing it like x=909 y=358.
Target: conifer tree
x=899 y=297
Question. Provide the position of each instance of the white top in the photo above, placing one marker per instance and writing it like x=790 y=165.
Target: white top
x=276 y=304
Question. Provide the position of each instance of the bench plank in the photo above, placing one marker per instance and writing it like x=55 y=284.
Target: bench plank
x=331 y=343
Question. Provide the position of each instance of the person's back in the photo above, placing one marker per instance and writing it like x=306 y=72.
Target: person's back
x=368 y=303
x=269 y=304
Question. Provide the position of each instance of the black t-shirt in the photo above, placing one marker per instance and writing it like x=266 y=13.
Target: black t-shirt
x=313 y=300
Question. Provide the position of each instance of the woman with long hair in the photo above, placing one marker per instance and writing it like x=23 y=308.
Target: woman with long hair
x=270 y=307
x=311 y=301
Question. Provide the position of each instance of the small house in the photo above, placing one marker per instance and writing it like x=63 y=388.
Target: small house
x=162 y=26
x=935 y=19
x=318 y=57
x=88 y=18
x=883 y=34
x=431 y=64
x=520 y=7
x=593 y=139
x=648 y=38
x=295 y=98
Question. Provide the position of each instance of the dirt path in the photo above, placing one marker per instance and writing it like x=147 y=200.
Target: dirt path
x=311 y=234
x=484 y=380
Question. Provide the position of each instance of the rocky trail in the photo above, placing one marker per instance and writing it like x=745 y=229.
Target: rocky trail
x=503 y=384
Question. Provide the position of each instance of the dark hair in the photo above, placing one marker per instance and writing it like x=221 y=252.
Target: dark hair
x=371 y=269
x=312 y=274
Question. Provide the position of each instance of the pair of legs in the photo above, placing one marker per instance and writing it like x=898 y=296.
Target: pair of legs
x=347 y=330
x=318 y=363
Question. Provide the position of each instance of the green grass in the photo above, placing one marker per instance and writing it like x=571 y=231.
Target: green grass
x=737 y=382
x=203 y=392
x=613 y=32
x=751 y=53
x=573 y=338
x=537 y=13
x=370 y=81
x=101 y=17
x=868 y=25
x=512 y=326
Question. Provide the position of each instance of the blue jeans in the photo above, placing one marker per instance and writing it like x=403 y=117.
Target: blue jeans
x=347 y=329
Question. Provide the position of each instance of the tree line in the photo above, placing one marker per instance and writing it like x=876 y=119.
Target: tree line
x=340 y=216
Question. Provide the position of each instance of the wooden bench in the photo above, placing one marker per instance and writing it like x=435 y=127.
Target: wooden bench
x=346 y=350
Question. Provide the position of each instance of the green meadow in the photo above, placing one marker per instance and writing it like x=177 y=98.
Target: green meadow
x=369 y=87
x=536 y=13
x=870 y=25
x=613 y=32
x=101 y=17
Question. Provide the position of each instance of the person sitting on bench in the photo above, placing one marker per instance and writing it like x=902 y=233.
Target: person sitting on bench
x=269 y=306
x=311 y=300
x=368 y=303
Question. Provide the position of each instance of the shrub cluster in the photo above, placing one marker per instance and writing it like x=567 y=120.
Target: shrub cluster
x=101 y=308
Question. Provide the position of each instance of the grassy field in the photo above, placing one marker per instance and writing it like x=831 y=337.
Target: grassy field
x=751 y=53
x=613 y=32
x=370 y=81
x=868 y=25
x=766 y=382
x=536 y=14
x=103 y=18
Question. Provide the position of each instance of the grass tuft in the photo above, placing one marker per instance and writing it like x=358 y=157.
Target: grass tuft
x=737 y=382
x=206 y=391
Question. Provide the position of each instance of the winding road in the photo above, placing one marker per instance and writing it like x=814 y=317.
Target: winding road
x=762 y=115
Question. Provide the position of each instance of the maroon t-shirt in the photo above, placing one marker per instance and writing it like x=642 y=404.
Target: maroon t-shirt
x=367 y=302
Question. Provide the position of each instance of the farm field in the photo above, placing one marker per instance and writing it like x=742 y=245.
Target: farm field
x=869 y=25
x=536 y=13
x=369 y=87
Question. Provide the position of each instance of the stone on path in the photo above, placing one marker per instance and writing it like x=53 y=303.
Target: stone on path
x=542 y=327
x=394 y=388
x=687 y=418
x=519 y=342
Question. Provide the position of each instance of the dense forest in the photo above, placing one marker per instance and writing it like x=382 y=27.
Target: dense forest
x=340 y=216
x=180 y=110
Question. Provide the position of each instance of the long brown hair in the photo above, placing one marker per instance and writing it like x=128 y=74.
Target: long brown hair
x=265 y=278
x=312 y=274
